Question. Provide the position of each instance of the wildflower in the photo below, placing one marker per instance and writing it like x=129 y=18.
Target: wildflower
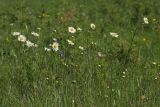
x=35 y=34
x=45 y=15
x=39 y=28
x=145 y=19
x=100 y=66
x=47 y=78
x=55 y=39
x=71 y=29
x=123 y=76
x=21 y=38
x=100 y=54
x=35 y=45
x=79 y=29
x=29 y=43
x=64 y=63
x=154 y=63
x=73 y=101
x=93 y=43
x=55 y=30
x=154 y=19
x=70 y=42
x=16 y=33
x=11 y=24
x=47 y=49
x=114 y=34
x=93 y=26
x=55 y=46
x=80 y=47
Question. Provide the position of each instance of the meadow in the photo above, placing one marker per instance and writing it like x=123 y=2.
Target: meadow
x=79 y=53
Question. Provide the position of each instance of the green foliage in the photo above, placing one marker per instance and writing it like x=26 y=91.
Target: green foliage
x=109 y=72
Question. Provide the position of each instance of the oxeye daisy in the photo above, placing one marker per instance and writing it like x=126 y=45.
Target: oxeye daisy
x=55 y=39
x=22 y=38
x=47 y=49
x=93 y=26
x=35 y=34
x=100 y=54
x=16 y=33
x=154 y=63
x=114 y=34
x=55 y=46
x=80 y=47
x=70 y=42
x=29 y=43
x=145 y=19
x=71 y=30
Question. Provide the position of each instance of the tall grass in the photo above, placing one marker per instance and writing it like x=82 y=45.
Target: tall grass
x=126 y=74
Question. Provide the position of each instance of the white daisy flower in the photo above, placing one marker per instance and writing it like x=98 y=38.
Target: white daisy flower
x=16 y=33
x=93 y=26
x=154 y=63
x=22 y=38
x=70 y=42
x=35 y=34
x=71 y=30
x=82 y=53
x=80 y=47
x=145 y=19
x=55 y=39
x=47 y=49
x=123 y=76
x=114 y=34
x=29 y=43
x=100 y=54
x=55 y=46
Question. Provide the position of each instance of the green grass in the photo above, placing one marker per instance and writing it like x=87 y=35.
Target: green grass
x=124 y=76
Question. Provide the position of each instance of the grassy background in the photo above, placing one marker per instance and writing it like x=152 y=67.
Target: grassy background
x=31 y=77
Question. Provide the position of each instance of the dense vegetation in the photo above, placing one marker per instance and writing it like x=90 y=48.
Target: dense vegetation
x=110 y=58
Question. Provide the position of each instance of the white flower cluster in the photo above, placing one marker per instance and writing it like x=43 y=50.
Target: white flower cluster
x=23 y=39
